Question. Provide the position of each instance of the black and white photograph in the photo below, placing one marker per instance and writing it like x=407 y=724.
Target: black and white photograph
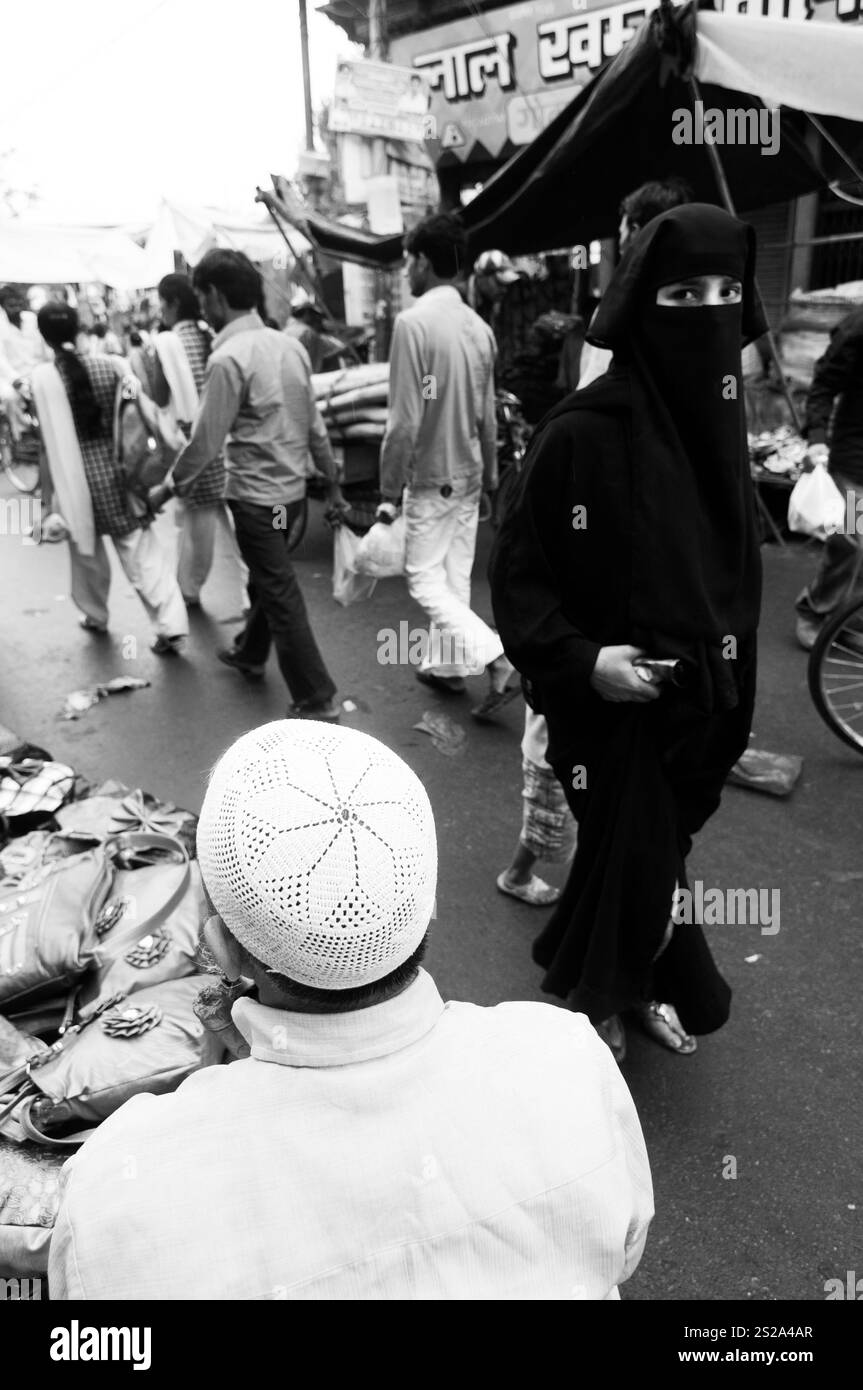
x=431 y=704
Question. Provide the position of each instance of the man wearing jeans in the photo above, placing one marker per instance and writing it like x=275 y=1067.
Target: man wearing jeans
x=440 y=447
x=837 y=381
x=258 y=394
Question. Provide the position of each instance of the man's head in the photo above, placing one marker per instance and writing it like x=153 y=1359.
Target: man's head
x=493 y=272
x=648 y=201
x=14 y=301
x=227 y=285
x=177 y=300
x=436 y=252
x=317 y=849
x=305 y=310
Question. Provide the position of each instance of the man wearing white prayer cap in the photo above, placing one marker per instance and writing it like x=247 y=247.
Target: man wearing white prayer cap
x=377 y=1143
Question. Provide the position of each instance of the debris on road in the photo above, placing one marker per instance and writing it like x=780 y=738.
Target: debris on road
x=774 y=773
x=448 y=737
x=79 y=701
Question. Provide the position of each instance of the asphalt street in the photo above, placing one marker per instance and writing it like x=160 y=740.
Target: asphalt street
x=777 y=1091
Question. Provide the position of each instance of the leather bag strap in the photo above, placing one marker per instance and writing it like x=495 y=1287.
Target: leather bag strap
x=134 y=840
x=32 y=1132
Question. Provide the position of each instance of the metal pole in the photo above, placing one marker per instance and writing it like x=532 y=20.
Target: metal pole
x=307 y=80
x=377 y=51
x=728 y=201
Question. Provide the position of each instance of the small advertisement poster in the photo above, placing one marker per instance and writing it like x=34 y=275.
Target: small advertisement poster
x=377 y=99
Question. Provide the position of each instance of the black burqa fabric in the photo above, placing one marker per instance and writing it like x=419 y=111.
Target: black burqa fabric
x=669 y=562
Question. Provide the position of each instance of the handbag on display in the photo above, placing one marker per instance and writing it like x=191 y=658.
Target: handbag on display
x=114 y=808
x=51 y=930
x=118 y=1048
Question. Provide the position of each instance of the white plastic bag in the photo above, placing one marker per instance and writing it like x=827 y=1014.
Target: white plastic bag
x=381 y=551
x=348 y=585
x=816 y=507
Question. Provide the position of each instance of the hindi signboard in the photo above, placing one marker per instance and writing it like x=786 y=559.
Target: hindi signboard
x=497 y=83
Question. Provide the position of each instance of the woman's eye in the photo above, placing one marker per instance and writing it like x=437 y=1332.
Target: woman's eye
x=733 y=292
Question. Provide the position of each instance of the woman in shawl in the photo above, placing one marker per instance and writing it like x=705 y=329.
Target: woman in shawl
x=633 y=537
x=74 y=399
x=181 y=353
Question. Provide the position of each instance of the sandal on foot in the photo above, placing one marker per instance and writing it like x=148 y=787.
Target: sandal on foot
x=167 y=646
x=495 y=700
x=612 y=1034
x=90 y=625
x=660 y=1022
x=536 y=893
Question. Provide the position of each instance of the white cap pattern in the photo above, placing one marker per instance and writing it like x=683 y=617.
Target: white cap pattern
x=317 y=845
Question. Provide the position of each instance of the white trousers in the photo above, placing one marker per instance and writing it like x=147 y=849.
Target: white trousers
x=440 y=548
x=148 y=566
x=196 y=539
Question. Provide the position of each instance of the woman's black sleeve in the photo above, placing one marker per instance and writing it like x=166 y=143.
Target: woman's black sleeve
x=528 y=571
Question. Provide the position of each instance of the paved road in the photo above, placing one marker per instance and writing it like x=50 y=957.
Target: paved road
x=777 y=1090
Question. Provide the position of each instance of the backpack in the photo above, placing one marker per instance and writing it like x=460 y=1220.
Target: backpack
x=143 y=455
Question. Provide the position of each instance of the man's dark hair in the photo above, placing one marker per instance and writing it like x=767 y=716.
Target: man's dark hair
x=233 y=275
x=442 y=238
x=341 y=999
x=650 y=199
x=177 y=289
x=99 y=330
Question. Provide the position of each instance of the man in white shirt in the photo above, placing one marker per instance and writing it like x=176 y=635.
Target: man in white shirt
x=377 y=1143
x=440 y=449
x=21 y=349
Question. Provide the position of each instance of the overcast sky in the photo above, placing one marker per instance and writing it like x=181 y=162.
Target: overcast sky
x=110 y=104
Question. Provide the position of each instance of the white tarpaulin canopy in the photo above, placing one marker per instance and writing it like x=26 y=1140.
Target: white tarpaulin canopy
x=809 y=67
x=39 y=253
x=195 y=230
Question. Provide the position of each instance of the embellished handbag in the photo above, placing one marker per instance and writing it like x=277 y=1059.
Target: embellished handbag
x=51 y=929
x=118 y=1048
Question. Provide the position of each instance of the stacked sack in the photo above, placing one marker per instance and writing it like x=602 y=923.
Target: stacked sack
x=354 y=402
x=100 y=907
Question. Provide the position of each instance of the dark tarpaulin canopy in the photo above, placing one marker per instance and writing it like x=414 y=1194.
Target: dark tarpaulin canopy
x=565 y=188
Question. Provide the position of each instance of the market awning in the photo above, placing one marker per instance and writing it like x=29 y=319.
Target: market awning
x=618 y=131
x=35 y=253
x=565 y=188
x=194 y=230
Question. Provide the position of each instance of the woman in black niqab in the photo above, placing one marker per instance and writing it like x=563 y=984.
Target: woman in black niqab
x=633 y=532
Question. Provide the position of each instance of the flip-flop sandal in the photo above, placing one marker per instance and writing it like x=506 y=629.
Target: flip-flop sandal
x=495 y=700
x=536 y=893
x=612 y=1033
x=660 y=1022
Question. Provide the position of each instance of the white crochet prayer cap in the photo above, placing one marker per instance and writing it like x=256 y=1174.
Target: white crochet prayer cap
x=317 y=845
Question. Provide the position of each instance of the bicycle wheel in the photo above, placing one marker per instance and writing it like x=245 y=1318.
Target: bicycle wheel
x=836 y=674
x=298 y=527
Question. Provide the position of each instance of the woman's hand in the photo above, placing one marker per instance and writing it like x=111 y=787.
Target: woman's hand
x=615 y=678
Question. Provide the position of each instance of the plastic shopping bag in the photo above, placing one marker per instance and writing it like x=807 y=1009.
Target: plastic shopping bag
x=348 y=585
x=381 y=551
x=816 y=507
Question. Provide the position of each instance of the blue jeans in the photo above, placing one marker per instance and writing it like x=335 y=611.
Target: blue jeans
x=278 y=610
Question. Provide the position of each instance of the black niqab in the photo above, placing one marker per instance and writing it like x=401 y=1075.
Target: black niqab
x=695 y=556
